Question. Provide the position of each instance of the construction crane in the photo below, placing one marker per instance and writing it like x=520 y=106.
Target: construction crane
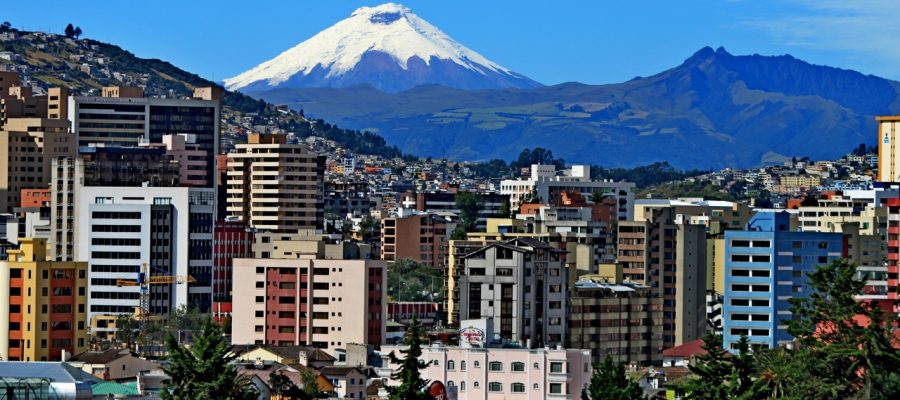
x=145 y=280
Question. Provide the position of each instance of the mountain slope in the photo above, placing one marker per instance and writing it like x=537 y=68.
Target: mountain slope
x=86 y=65
x=714 y=110
x=387 y=46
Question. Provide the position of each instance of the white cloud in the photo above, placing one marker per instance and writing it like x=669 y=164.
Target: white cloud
x=865 y=30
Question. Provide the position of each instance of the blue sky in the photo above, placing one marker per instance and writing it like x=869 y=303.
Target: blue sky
x=550 y=41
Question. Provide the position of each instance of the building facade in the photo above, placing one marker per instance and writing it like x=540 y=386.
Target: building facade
x=523 y=286
x=327 y=304
x=501 y=373
x=765 y=266
x=275 y=186
x=421 y=237
x=45 y=302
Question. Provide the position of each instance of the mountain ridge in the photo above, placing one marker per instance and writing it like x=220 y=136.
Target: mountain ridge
x=748 y=110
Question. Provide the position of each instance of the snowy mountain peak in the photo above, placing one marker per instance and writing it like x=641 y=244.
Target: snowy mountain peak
x=388 y=47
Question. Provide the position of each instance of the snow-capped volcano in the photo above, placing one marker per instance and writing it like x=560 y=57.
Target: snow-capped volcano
x=387 y=47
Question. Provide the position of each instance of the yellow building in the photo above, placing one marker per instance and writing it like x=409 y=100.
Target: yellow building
x=46 y=302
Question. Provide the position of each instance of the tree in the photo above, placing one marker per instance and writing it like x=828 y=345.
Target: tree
x=469 y=205
x=204 y=371
x=6 y=26
x=608 y=382
x=850 y=343
x=719 y=375
x=412 y=386
x=310 y=384
x=280 y=383
x=505 y=211
x=70 y=31
x=365 y=228
x=77 y=32
x=127 y=330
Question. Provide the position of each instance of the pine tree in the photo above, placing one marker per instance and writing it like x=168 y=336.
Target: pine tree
x=608 y=382
x=70 y=31
x=204 y=371
x=412 y=386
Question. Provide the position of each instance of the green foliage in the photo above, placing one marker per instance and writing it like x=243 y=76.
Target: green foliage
x=537 y=156
x=366 y=228
x=836 y=356
x=69 y=31
x=469 y=205
x=608 y=382
x=204 y=371
x=409 y=280
x=718 y=375
x=647 y=175
x=505 y=211
x=280 y=383
x=412 y=386
x=309 y=382
x=704 y=189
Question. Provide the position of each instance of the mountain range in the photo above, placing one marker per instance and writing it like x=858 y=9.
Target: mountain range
x=714 y=110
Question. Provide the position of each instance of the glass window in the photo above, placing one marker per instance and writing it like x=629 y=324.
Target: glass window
x=556 y=367
x=495 y=387
x=496 y=366
x=517 y=367
x=518 y=387
x=451 y=365
x=556 y=388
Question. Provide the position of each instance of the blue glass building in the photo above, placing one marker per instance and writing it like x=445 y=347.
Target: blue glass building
x=765 y=265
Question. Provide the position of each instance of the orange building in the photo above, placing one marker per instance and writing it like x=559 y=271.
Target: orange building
x=35 y=198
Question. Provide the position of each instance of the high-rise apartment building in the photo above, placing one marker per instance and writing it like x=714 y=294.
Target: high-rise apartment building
x=888 y=148
x=231 y=239
x=275 y=186
x=666 y=252
x=45 y=304
x=765 y=266
x=619 y=320
x=27 y=149
x=327 y=304
x=522 y=285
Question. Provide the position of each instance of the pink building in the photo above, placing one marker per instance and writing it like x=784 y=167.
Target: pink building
x=501 y=373
x=190 y=157
x=326 y=304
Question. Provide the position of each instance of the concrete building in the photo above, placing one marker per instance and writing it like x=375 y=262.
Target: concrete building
x=27 y=149
x=422 y=237
x=619 y=320
x=522 y=285
x=501 y=373
x=668 y=253
x=275 y=186
x=893 y=248
x=231 y=239
x=446 y=201
x=123 y=117
x=45 y=304
x=327 y=304
x=888 y=150
x=191 y=158
x=545 y=184
x=766 y=265
x=121 y=228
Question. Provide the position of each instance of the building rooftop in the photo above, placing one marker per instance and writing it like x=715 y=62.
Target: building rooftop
x=686 y=350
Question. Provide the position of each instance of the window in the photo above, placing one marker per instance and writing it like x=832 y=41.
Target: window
x=462 y=386
x=556 y=367
x=462 y=367
x=495 y=366
x=556 y=388
x=537 y=387
x=495 y=387
x=517 y=367
x=451 y=365
x=537 y=366
x=517 y=387
x=477 y=365
x=476 y=385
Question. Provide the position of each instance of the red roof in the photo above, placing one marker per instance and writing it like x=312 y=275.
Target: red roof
x=687 y=350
